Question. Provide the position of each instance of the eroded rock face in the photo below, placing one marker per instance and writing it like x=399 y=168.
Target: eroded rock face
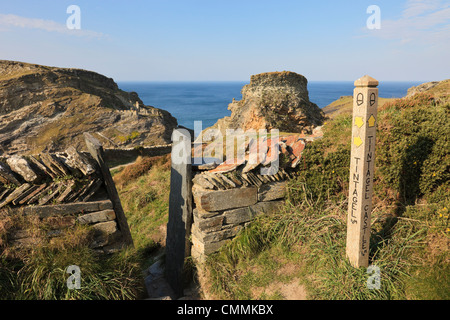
x=48 y=109
x=421 y=88
x=274 y=100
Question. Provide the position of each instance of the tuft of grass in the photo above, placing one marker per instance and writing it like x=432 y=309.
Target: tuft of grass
x=144 y=192
x=39 y=272
x=246 y=266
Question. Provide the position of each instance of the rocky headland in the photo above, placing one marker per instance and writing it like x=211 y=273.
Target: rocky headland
x=47 y=109
x=273 y=100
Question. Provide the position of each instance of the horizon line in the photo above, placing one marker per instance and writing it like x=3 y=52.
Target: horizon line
x=198 y=81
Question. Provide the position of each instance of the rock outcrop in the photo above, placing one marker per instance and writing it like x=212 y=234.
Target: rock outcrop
x=439 y=89
x=274 y=100
x=421 y=88
x=47 y=109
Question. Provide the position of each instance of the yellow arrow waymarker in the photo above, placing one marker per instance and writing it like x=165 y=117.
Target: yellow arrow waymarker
x=357 y=141
x=359 y=121
x=371 y=121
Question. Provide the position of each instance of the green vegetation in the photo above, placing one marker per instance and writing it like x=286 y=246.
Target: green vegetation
x=296 y=253
x=410 y=220
x=144 y=192
x=39 y=271
x=414 y=148
x=130 y=137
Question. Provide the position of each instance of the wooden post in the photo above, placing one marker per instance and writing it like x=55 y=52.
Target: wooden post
x=365 y=103
x=96 y=150
x=180 y=211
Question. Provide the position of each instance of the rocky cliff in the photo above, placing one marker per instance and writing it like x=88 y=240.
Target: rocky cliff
x=274 y=100
x=48 y=109
x=437 y=88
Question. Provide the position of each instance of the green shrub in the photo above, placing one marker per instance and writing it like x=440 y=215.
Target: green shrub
x=130 y=137
x=325 y=166
x=413 y=148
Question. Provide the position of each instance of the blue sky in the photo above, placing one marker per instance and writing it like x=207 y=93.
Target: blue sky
x=199 y=40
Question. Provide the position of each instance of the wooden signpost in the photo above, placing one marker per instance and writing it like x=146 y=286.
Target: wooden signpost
x=365 y=103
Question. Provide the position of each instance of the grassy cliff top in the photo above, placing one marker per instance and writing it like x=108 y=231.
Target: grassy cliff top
x=16 y=69
x=344 y=105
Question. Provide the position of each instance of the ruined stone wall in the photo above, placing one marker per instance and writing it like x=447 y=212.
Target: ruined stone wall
x=229 y=196
x=220 y=214
x=52 y=193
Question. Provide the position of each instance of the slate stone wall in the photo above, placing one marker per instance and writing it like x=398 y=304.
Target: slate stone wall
x=57 y=192
x=220 y=213
x=228 y=196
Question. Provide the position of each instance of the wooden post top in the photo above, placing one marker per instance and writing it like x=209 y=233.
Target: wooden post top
x=366 y=81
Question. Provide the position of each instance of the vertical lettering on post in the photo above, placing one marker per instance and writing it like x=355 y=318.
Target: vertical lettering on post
x=365 y=103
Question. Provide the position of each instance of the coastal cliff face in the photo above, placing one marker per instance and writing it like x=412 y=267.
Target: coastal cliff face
x=48 y=109
x=274 y=100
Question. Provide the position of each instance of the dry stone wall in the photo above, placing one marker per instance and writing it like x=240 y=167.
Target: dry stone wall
x=228 y=197
x=211 y=202
x=57 y=191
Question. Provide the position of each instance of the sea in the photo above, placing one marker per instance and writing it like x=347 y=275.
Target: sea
x=208 y=101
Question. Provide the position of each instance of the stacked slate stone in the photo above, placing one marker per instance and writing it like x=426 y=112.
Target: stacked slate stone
x=229 y=196
x=48 y=179
x=54 y=220
x=55 y=192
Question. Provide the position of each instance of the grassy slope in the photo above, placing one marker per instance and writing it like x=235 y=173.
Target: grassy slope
x=410 y=230
x=344 y=106
x=144 y=192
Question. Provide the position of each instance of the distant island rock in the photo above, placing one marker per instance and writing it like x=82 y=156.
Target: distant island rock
x=47 y=109
x=273 y=100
